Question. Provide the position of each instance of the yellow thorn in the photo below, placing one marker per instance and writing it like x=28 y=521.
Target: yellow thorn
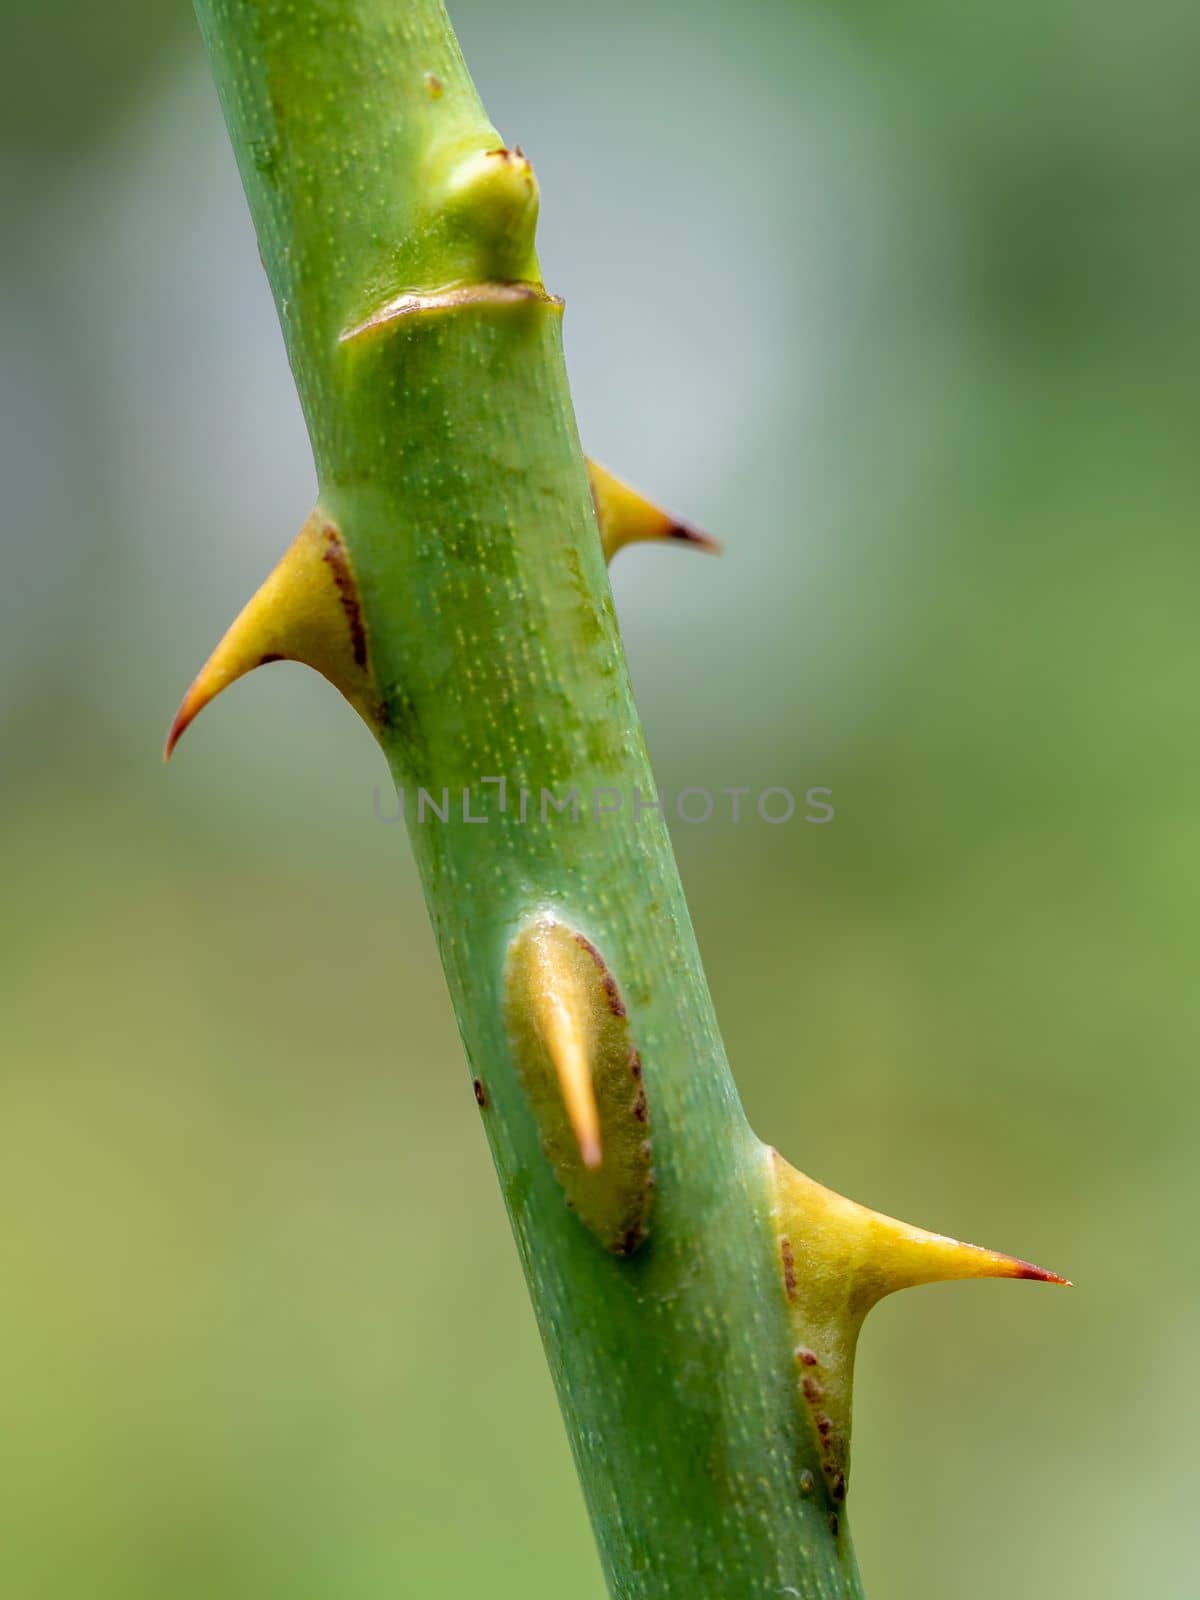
x=560 y=1030
x=845 y=1250
x=307 y=610
x=837 y=1259
x=576 y=1061
x=561 y=1007
x=626 y=517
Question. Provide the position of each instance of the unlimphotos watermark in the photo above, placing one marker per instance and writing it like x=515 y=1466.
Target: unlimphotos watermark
x=694 y=805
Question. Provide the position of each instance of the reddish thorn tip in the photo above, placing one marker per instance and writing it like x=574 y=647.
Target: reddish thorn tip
x=690 y=535
x=1026 y=1269
x=180 y=723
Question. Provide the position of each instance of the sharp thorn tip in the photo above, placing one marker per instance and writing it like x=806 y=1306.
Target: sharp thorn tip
x=182 y=718
x=1040 y=1275
x=693 y=536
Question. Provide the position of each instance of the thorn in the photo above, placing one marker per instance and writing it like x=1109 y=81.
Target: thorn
x=560 y=1015
x=626 y=517
x=837 y=1259
x=307 y=610
x=871 y=1255
x=574 y=1054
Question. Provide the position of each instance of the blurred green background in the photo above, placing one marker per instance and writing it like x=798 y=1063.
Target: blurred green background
x=900 y=300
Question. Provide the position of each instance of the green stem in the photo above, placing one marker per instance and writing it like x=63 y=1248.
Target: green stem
x=447 y=455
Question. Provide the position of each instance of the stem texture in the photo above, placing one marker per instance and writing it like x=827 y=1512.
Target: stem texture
x=448 y=458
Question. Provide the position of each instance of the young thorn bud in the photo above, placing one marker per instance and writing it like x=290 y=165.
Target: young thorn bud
x=572 y=1048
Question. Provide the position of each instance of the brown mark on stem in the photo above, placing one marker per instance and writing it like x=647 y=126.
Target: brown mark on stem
x=335 y=559
x=615 y=1004
x=789 y=1267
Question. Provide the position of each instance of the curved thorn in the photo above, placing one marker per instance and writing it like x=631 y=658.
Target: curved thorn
x=837 y=1259
x=872 y=1255
x=308 y=611
x=627 y=517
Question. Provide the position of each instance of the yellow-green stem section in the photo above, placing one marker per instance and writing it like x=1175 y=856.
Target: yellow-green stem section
x=448 y=458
